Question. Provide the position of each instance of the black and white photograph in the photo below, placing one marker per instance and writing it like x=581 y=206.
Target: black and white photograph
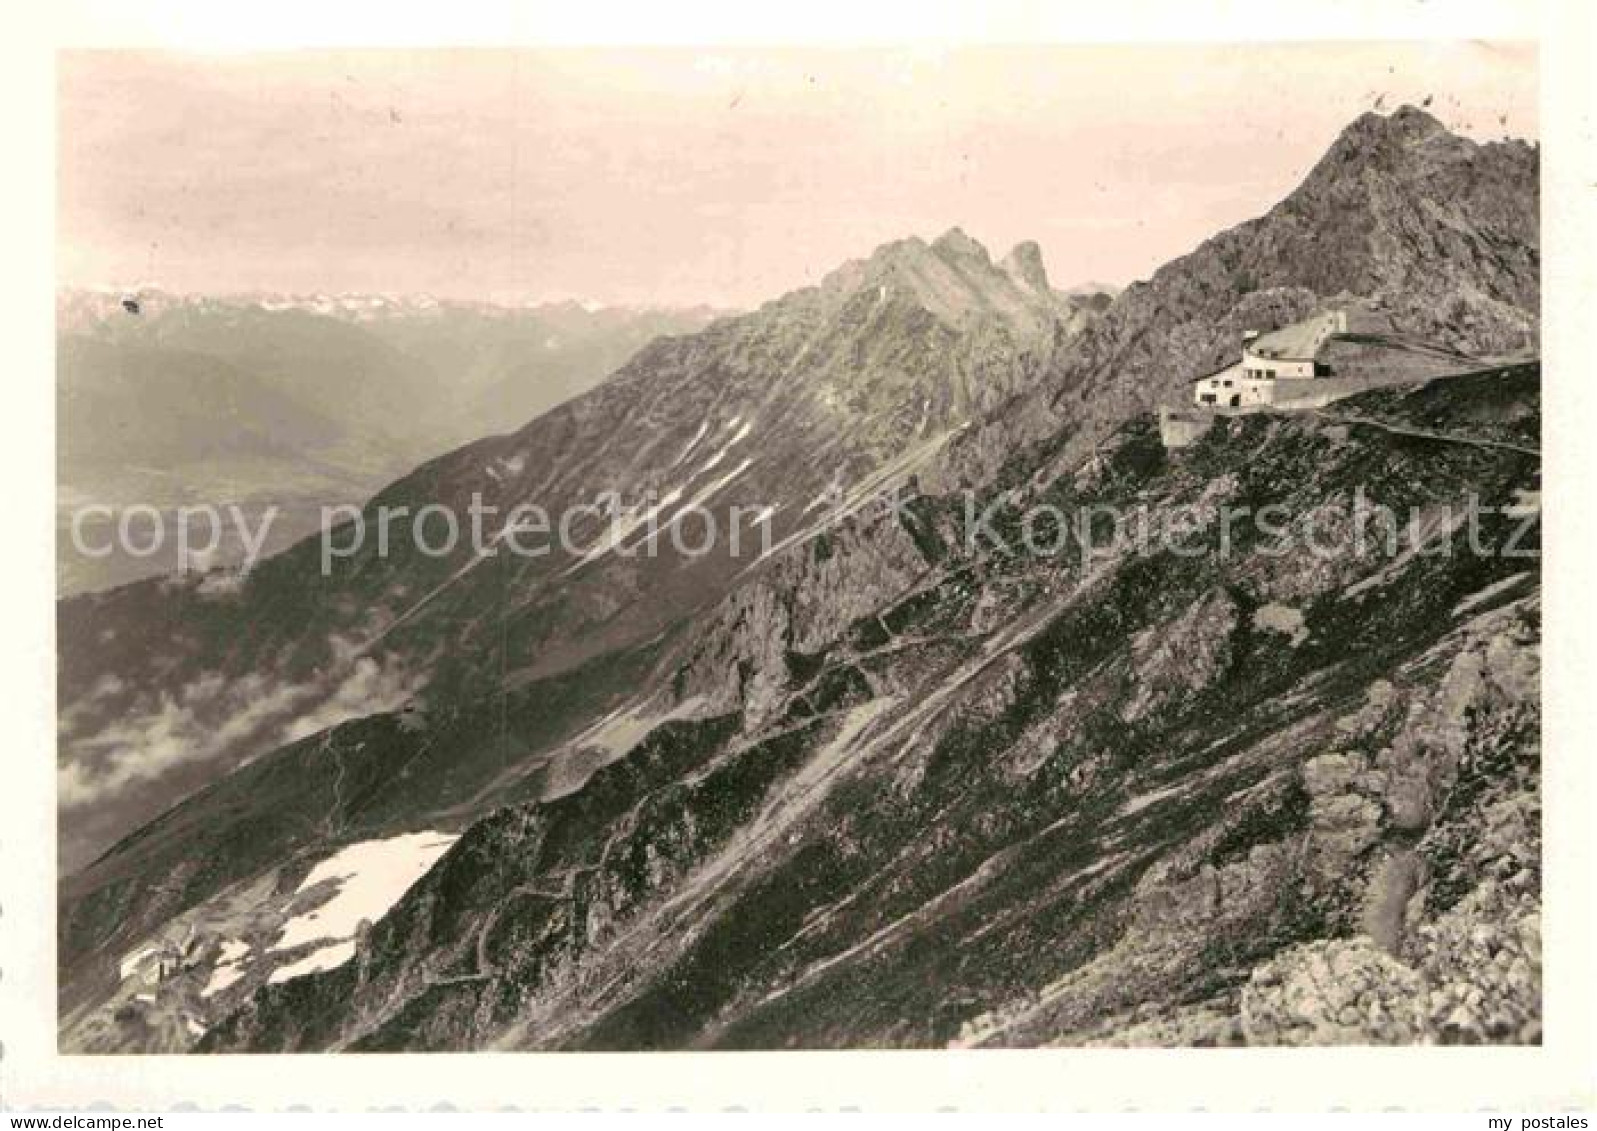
x=799 y=547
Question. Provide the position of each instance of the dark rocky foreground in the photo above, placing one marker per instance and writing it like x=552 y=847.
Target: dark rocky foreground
x=1162 y=799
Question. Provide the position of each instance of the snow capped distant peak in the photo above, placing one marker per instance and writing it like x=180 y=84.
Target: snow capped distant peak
x=99 y=302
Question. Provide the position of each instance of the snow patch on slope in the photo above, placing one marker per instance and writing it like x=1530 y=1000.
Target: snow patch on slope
x=325 y=958
x=368 y=877
x=622 y=527
x=737 y=437
x=704 y=426
x=221 y=978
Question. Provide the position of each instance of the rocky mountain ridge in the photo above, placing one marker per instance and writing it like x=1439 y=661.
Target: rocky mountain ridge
x=1435 y=233
x=838 y=390
x=889 y=787
x=1024 y=801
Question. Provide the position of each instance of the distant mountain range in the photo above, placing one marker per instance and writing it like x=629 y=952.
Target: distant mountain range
x=854 y=381
x=298 y=400
x=874 y=784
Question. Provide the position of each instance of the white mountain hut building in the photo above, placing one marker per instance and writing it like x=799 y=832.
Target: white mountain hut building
x=1269 y=360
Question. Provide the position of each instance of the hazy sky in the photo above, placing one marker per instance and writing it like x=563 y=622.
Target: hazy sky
x=725 y=176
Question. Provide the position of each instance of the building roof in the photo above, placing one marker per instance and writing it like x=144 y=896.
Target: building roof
x=1301 y=341
x=1237 y=364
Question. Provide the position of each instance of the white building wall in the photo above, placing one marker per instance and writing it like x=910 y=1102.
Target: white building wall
x=1289 y=368
x=1258 y=392
x=1216 y=391
x=1253 y=380
x=1231 y=388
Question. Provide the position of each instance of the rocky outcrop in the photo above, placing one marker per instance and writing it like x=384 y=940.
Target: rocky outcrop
x=1471 y=973
x=1181 y=658
x=1439 y=233
x=1474 y=977
x=1024 y=264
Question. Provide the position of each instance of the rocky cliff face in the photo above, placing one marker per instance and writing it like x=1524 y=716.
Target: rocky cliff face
x=1436 y=234
x=166 y=684
x=940 y=767
x=1163 y=795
